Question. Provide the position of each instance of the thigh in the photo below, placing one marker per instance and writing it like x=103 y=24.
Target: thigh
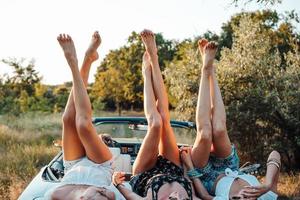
x=71 y=144
x=201 y=148
x=221 y=144
x=232 y=161
x=168 y=146
x=147 y=155
x=96 y=150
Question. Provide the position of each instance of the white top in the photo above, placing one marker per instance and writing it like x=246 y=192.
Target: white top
x=224 y=185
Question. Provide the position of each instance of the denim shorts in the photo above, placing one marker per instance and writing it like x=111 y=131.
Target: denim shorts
x=216 y=166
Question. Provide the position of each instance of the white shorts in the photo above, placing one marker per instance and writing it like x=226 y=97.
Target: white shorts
x=86 y=172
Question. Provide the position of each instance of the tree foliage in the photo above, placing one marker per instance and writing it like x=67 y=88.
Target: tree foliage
x=248 y=76
x=23 y=78
x=17 y=88
x=22 y=91
x=254 y=84
x=119 y=76
x=259 y=78
x=257 y=63
x=182 y=76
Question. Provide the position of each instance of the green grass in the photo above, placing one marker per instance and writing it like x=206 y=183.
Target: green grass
x=23 y=151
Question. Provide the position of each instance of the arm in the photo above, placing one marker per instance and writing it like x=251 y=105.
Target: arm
x=199 y=188
x=128 y=194
x=271 y=180
x=117 y=179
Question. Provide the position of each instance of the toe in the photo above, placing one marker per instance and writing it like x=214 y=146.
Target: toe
x=59 y=37
x=96 y=34
x=214 y=45
x=202 y=42
x=69 y=39
x=143 y=33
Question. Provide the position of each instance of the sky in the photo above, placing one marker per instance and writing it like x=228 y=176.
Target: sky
x=29 y=27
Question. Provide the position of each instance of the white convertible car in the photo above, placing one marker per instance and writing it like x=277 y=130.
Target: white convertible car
x=124 y=136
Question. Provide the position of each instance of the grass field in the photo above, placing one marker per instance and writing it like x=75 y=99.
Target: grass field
x=26 y=146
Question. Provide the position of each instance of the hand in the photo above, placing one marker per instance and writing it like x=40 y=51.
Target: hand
x=118 y=178
x=186 y=157
x=254 y=191
x=107 y=139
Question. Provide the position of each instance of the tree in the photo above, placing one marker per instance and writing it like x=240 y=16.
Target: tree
x=60 y=97
x=18 y=88
x=40 y=90
x=23 y=101
x=182 y=77
x=254 y=86
x=287 y=115
x=24 y=77
x=248 y=70
x=119 y=76
x=112 y=85
x=259 y=81
x=279 y=27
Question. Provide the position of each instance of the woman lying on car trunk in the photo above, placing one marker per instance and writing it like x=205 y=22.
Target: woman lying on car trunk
x=157 y=172
x=218 y=169
x=87 y=160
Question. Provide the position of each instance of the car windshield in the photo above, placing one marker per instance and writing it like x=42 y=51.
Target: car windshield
x=136 y=132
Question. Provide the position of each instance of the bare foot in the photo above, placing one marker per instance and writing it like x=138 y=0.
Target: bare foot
x=201 y=45
x=91 y=53
x=148 y=39
x=146 y=66
x=68 y=48
x=208 y=57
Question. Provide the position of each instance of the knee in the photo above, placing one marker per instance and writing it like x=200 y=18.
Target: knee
x=68 y=119
x=155 y=122
x=204 y=133
x=83 y=124
x=219 y=129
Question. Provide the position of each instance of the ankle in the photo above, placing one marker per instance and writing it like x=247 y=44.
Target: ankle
x=73 y=63
x=206 y=71
x=153 y=55
x=88 y=59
